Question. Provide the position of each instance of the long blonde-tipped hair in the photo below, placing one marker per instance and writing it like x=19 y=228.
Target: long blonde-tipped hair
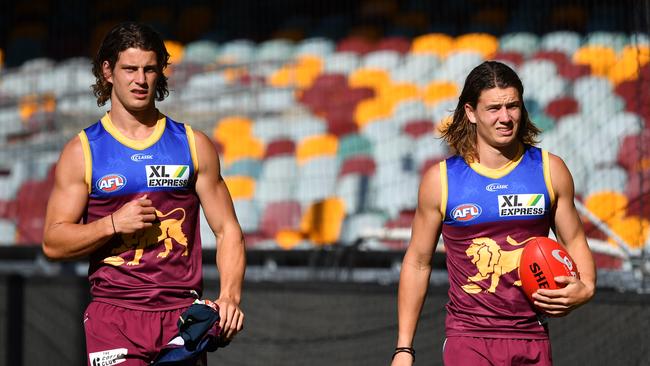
x=460 y=134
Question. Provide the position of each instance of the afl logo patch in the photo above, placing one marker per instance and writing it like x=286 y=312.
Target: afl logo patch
x=466 y=212
x=111 y=183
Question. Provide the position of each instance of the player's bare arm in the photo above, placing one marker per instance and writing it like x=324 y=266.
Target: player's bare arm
x=220 y=214
x=64 y=236
x=569 y=231
x=416 y=266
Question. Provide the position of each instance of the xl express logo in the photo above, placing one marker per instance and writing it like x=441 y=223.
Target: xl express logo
x=466 y=212
x=111 y=183
x=521 y=205
x=167 y=175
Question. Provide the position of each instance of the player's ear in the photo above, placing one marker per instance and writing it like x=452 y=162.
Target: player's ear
x=469 y=112
x=107 y=71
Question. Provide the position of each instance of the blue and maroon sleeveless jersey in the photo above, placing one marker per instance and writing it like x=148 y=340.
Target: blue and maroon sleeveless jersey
x=158 y=267
x=489 y=214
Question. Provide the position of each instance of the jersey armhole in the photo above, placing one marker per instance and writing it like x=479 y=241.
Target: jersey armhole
x=443 y=188
x=192 y=143
x=547 y=176
x=88 y=162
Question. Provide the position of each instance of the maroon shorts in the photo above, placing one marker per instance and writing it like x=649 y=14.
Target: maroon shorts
x=117 y=335
x=474 y=351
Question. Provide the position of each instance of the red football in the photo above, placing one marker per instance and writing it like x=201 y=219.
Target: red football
x=541 y=261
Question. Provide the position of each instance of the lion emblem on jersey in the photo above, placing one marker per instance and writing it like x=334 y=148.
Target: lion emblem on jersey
x=491 y=262
x=161 y=231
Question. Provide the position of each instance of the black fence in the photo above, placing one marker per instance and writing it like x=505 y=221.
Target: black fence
x=317 y=323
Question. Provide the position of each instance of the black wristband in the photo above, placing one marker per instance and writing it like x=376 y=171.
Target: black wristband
x=408 y=350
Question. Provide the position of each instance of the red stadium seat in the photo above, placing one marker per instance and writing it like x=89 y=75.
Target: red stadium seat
x=280 y=215
x=634 y=153
x=357 y=45
x=561 y=107
x=512 y=57
x=399 y=44
x=280 y=147
x=417 y=128
x=362 y=165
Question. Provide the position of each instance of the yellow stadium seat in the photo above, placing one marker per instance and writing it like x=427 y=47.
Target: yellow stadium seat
x=435 y=43
x=439 y=90
x=599 y=58
x=320 y=145
x=628 y=64
x=232 y=128
x=633 y=230
x=287 y=239
x=240 y=187
x=242 y=148
x=323 y=220
x=300 y=73
x=372 y=109
x=376 y=79
x=607 y=206
x=395 y=93
x=176 y=50
x=483 y=43
x=27 y=106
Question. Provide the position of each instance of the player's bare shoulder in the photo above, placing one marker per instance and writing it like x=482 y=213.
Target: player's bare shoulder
x=72 y=161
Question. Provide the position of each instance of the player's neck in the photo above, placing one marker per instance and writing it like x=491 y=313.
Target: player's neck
x=496 y=157
x=136 y=125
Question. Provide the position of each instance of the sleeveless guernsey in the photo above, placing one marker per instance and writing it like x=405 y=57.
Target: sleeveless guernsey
x=158 y=268
x=489 y=214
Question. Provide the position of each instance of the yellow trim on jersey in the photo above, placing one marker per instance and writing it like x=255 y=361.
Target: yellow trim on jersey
x=499 y=172
x=547 y=176
x=135 y=144
x=88 y=161
x=192 y=142
x=444 y=188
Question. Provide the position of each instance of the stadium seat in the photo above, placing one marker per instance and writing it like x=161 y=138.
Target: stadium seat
x=176 y=51
x=599 y=58
x=634 y=154
x=417 y=68
x=240 y=187
x=608 y=206
x=280 y=215
x=395 y=43
x=628 y=65
x=248 y=214
x=380 y=131
x=439 y=90
x=561 y=107
x=245 y=147
x=408 y=110
x=435 y=43
x=232 y=128
x=279 y=147
x=203 y=52
x=244 y=167
x=316 y=179
x=418 y=127
x=523 y=43
x=510 y=58
x=270 y=128
x=384 y=59
x=483 y=43
x=315 y=147
x=370 y=110
x=614 y=40
x=274 y=50
x=321 y=47
x=353 y=190
x=458 y=64
x=237 y=52
x=278 y=180
x=355 y=227
x=323 y=220
x=7 y=232
x=353 y=145
x=357 y=45
x=633 y=230
x=564 y=41
x=428 y=147
x=341 y=62
x=610 y=179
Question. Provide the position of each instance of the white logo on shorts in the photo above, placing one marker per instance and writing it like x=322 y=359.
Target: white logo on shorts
x=108 y=357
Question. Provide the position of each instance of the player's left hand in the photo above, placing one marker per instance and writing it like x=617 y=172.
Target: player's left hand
x=232 y=318
x=561 y=302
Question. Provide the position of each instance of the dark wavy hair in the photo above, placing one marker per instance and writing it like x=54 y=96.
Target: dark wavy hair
x=121 y=37
x=460 y=134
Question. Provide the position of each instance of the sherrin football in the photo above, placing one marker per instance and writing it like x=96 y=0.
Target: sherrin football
x=541 y=261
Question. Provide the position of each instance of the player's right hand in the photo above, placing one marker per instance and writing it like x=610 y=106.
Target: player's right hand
x=134 y=215
x=402 y=359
